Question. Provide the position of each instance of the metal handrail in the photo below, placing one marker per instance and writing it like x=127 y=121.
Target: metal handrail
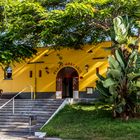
x=13 y=98
x=65 y=102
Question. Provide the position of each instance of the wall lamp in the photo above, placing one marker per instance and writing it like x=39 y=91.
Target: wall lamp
x=86 y=67
x=47 y=70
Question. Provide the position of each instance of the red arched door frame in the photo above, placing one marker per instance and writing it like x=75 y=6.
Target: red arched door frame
x=67 y=83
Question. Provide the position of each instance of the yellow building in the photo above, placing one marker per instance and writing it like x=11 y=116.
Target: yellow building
x=58 y=74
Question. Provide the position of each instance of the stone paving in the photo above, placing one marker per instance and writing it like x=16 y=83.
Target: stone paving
x=6 y=136
x=11 y=136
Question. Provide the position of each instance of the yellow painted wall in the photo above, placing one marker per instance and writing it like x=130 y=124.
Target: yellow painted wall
x=47 y=83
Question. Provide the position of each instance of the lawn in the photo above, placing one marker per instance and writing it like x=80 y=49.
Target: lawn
x=84 y=122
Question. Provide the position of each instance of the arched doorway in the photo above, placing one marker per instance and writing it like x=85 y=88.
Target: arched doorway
x=67 y=83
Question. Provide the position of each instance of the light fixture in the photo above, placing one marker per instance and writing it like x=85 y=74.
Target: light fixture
x=8 y=72
x=46 y=54
x=97 y=70
x=47 y=70
x=90 y=51
x=81 y=77
x=86 y=67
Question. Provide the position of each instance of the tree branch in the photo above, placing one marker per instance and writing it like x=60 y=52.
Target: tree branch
x=104 y=27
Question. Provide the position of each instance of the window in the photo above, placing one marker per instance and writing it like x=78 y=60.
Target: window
x=8 y=73
x=97 y=70
x=31 y=74
x=40 y=73
x=89 y=90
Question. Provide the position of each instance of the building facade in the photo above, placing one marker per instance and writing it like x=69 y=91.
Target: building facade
x=57 y=74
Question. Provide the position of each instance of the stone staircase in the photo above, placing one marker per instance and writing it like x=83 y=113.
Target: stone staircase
x=40 y=110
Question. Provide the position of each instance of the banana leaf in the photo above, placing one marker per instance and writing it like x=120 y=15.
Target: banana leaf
x=133 y=76
x=137 y=84
x=113 y=63
x=120 y=58
x=108 y=82
x=132 y=58
x=100 y=77
x=103 y=91
x=112 y=90
x=121 y=27
x=115 y=73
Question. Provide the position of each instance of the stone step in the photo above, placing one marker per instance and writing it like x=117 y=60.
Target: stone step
x=21 y=121
x=31 y=106
x=39 y=125
x=14 y=116
x=28 y=109
x=4 y=114
x=10 y=115
x=12 y=125
x=16 y=120
x=18 y=125
x=27 y=113
x=24 y=108
x=17 y=130
x=33 y=101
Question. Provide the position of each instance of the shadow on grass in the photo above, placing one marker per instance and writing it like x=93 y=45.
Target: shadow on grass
x=86 y=122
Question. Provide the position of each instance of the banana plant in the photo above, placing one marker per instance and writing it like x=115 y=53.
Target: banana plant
x=121 y=27
x=121 y=85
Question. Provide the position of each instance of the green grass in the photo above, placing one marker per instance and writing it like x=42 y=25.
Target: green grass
x=84 y=122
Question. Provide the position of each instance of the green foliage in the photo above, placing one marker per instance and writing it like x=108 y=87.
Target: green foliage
x=121 y=85
x=85 y=122
x=24 y=21
x=121 y=27
x=20 y=27
x=63 y=23
x=85 y=21
x=13 y=51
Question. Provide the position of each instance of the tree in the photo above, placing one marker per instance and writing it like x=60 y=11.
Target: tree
x=88 y=21
x=20 y=27
x=68 y=23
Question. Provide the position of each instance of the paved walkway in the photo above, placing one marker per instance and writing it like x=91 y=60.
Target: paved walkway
x=11 y=136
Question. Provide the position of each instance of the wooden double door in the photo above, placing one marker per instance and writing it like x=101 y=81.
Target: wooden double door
x=67 y=82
